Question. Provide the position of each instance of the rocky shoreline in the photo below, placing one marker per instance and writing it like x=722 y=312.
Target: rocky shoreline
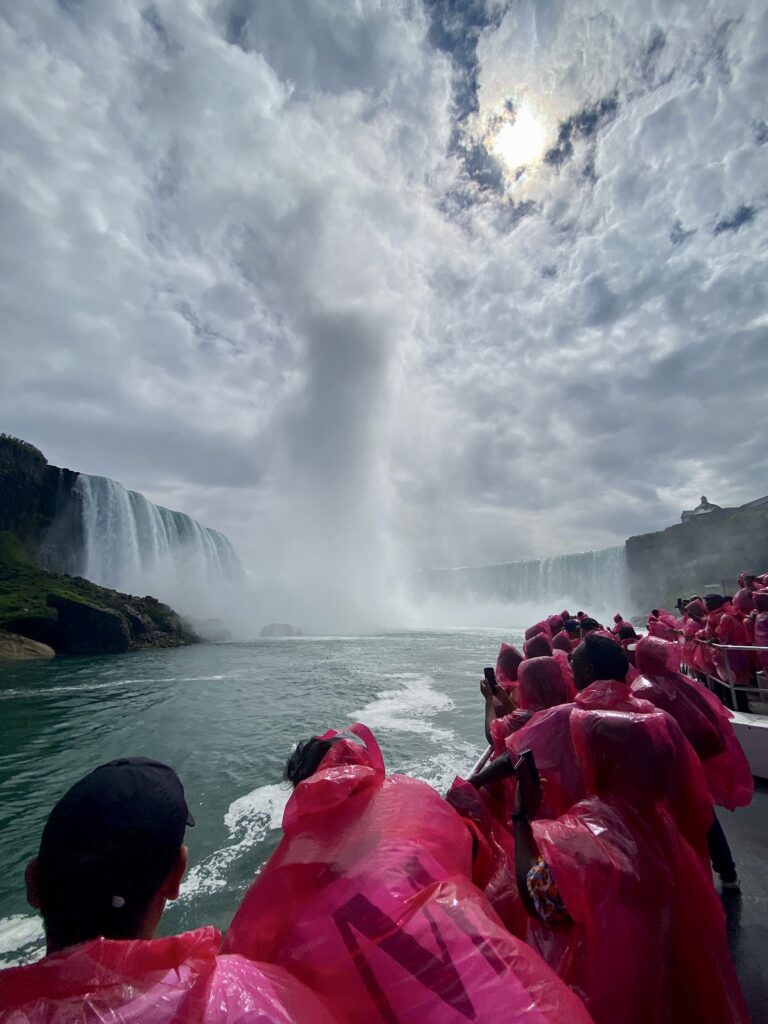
x=70 y=615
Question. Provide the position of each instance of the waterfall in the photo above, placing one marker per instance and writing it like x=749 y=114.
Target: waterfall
x=133 y=545
x=589 y=579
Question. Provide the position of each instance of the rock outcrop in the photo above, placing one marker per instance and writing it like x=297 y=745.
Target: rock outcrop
x=88 y=629
x=278 y=629
x=20 y=648
x=73 y=616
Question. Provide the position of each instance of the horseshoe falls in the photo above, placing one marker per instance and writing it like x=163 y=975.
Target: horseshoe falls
x=131 y=544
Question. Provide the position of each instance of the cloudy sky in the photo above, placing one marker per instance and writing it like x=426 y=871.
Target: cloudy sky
x=364 y=280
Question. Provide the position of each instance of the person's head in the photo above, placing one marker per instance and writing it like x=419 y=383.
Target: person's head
x=750 y=581
x=562 y=641
x=655 y=613
x=760 y=597
x=696 y=609
x=744 y=601
x=580 y=616
x=618 y=617
x=656 y=657
x=588 y=626
x=306 y=758
x=572 y=627
x=508 y=663
x=627 y=633
x=565 y=615
x=539 y=646
x=598 y=657
x=111 y=854
x=627 y=754
x=541 y=684
x=713 y=602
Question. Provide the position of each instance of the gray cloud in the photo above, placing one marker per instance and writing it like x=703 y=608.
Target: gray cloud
x=257 y=262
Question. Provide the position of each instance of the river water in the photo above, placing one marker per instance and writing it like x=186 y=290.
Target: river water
x=225 y=716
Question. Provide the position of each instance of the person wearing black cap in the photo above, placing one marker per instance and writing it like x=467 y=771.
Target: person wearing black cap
x=111 y=855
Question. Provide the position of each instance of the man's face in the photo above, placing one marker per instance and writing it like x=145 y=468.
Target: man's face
x=583 y=671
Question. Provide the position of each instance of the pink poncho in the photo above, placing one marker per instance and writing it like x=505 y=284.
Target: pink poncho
x=368 y=900
x=648 y=943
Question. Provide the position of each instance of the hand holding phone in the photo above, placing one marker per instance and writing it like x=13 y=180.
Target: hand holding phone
x=490 y=678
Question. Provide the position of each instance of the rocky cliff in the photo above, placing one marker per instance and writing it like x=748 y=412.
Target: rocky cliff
x=37 y=505
x=697 y=555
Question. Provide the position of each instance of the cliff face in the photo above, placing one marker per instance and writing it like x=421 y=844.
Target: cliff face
x=34 y=496
x=691 y=557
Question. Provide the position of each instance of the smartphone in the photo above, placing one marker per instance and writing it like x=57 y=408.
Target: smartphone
x=490 y=678
x=527 y=762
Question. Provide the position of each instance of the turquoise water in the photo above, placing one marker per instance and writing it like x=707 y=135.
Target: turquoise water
x=225 y=716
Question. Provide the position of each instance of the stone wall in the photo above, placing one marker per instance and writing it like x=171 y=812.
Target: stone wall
x=692 y=557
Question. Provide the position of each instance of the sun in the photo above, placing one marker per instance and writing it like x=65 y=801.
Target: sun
x=520 y=141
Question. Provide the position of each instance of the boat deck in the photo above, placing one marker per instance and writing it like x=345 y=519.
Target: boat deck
x=747 y=915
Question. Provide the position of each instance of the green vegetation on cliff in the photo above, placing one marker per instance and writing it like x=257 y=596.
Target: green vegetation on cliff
x=72 y=614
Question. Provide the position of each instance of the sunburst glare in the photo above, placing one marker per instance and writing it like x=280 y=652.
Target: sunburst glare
x=517 y=141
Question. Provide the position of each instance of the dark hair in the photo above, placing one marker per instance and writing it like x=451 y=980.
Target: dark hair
x=572 y=626
x=104 y=889
x=306 y=758
x=655 y=611
x=627 y=633
x=716 y=600
x=607 y=658
x=589 y=624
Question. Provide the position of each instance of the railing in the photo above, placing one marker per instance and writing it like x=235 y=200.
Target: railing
x=716 y=684
x=482 y=762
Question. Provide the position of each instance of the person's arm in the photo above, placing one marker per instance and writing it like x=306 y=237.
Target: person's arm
x=490 y=707
x=527 y=854
x=500 y=768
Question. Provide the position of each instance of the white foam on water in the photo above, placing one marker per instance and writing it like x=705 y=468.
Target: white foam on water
x=249 y=819
x=21 y=935
x=409 y=708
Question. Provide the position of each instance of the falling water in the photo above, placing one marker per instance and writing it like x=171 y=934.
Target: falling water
x=592 y=579
x=133 y=545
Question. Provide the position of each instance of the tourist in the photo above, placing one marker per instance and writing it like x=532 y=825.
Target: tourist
x=760 y=627
x=111 y=855
x=706 y=724
x=619 y=623
x=538 y=646
x=369 y=900
x=541 y=686
x=621 y=907
x=732 y=667
x=587 y=626
x=600 y=669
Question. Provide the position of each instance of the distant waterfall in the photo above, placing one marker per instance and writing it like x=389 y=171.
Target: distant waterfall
x=132 y=545
x=593 y=579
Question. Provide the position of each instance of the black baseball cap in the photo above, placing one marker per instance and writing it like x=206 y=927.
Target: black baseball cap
x=131 y=794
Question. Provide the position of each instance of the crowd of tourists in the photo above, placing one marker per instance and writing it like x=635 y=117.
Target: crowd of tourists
x=569 y=879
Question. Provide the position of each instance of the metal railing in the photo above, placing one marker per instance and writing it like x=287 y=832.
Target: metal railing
x=718 y=685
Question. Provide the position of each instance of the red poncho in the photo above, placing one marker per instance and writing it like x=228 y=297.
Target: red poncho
x=648 y=943
x=548 y=735
x=155 y=981
x=540 y=685
x=368 y=900
x=760 y=628
x=703 y=719
x=725 y=628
